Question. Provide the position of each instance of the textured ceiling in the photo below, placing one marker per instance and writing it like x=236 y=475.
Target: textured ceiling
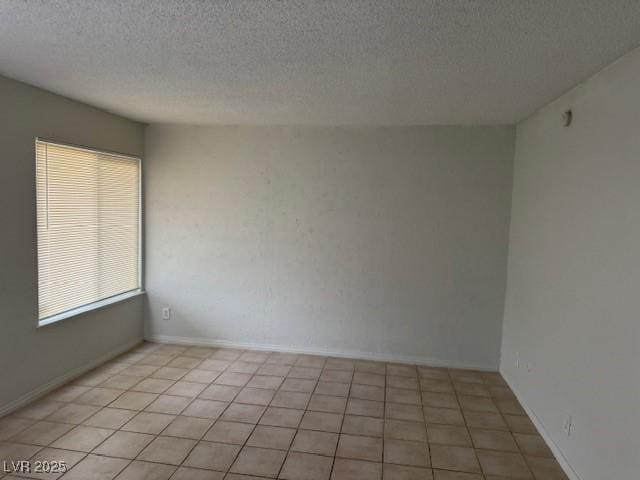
x=386 y=62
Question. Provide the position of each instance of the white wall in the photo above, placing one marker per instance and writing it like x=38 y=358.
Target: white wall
x=574 y=272
x=376 y=242
x=31 y=357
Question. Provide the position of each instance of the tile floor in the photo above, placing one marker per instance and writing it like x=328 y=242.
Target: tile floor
x=195 y=413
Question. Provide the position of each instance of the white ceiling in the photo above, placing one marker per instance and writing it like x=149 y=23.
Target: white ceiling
x=386 y=62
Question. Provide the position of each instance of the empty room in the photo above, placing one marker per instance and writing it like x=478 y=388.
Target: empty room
x=319 y=239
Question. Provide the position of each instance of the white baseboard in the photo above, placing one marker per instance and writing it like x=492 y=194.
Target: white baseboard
x=62 y=379
x=426 y=361
x=562 y=460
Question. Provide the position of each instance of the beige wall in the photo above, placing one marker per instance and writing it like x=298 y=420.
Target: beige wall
x=37 y=356
x=574 y=273
x=381 y=242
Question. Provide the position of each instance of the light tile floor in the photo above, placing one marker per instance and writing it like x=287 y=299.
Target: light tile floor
x=199 y=413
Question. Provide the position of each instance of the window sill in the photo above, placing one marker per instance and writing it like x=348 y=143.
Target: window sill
x=90 y=307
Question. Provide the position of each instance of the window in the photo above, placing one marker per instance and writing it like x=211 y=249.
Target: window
x=88 y=209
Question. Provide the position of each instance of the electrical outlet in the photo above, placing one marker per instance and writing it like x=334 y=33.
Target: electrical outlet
x=567 y=424
x=166 y=313
x=517 y=359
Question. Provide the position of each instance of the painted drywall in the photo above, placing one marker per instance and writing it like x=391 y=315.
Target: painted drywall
x=377 y=242
x=31 y=357
x=574 y=270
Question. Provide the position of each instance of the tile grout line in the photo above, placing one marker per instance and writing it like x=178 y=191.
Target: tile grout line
x=424 y=418
x=317 y=381
x=464 y=419
x=333 y=463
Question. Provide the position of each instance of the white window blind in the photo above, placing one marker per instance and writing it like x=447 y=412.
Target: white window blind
x=88 y=206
